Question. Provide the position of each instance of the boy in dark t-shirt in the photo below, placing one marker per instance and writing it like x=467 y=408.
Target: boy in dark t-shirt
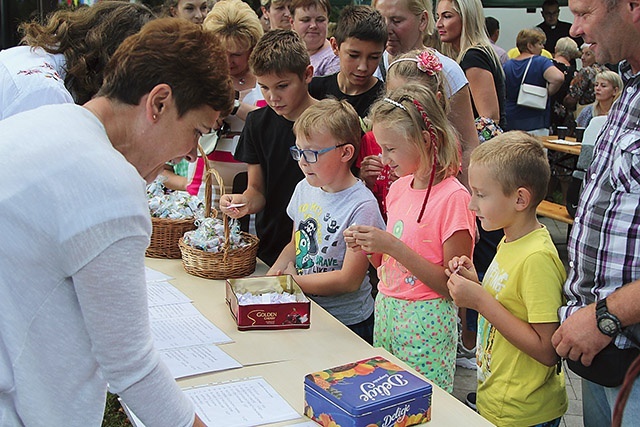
x=359 y=41
x=281 y=64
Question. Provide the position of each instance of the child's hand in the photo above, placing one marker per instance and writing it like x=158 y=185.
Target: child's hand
x=465 y=292
x=370 y=169
x=350 y=240
x=274 y=272
x=462 y=266
x=369 y=239
x=291 y=269
x=234 y=205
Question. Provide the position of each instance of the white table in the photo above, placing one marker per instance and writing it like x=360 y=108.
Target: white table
x=284 y=357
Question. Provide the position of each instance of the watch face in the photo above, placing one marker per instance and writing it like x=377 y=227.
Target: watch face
x=608 y=326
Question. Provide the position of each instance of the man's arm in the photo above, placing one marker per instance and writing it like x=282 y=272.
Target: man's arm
x=579 y=338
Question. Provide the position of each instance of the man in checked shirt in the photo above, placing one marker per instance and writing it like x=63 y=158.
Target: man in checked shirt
x=603 y=286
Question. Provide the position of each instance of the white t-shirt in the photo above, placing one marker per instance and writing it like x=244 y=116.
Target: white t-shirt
x=30 y=78
x=456 y=78
x=75 y=223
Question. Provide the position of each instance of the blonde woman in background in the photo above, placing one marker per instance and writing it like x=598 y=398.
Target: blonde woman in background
x=238 y=28
x=607 y=89
x=460 y=25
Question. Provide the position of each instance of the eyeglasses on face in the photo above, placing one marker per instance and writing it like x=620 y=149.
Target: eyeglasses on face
x=310 y=156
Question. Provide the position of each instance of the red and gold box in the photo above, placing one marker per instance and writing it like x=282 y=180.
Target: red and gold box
x=265 y=314
x=372 y=392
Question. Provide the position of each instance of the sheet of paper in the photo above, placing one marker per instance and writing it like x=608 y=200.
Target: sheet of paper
x=241 y=403
x=172 y=311
x=186 y=332
x=155 y=275
x=187 y=361
x=163 y=293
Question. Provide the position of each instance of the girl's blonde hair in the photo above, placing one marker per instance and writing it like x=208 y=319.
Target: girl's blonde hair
x=406 y=67
x=473 y=34
x=399 y=110
x=615 y=81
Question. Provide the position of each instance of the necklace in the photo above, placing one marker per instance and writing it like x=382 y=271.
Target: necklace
x=242 y=81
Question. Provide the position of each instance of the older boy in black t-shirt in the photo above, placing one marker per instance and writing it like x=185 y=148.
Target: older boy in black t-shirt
x=359 y=40
x=281 y=64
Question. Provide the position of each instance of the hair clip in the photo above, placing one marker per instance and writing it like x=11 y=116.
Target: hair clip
x=394 y=103
x=426 y=61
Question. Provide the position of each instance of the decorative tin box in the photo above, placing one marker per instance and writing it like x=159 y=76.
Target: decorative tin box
x=368 y=393
x=261 y=313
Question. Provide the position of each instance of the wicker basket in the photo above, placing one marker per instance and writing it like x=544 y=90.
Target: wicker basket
x=165 y=235
x=228 y=263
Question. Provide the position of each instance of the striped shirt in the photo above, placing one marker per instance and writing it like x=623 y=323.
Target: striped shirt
x=604 y=245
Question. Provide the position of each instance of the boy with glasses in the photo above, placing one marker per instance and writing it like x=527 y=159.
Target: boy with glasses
x=323 y=205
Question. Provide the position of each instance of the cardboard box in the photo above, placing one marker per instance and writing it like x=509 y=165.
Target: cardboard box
x=267 y=315
x=367 y=393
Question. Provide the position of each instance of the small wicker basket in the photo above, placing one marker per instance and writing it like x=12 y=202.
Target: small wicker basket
x=165 y=235
x=228 y=263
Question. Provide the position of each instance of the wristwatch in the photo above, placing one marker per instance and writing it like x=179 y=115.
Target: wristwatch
x=608 y=323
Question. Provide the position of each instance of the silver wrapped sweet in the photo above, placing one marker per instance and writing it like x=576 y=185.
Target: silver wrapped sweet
x=209 y=236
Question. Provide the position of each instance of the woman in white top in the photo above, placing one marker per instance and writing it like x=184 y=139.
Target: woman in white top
x=238 y=28
x=75 y=224
x=63 y=60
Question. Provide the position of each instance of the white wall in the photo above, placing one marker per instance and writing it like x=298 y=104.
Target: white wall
x=514 y=20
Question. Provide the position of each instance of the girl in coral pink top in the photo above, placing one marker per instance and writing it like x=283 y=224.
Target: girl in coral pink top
x=428 y=221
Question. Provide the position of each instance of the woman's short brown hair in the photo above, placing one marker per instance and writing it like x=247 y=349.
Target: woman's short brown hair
x=529 y=36
x=175 y=52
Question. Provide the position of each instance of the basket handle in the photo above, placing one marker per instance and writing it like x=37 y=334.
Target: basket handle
x=209 y=174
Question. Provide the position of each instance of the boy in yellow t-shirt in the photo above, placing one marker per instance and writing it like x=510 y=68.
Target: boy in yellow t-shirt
x=518 y=380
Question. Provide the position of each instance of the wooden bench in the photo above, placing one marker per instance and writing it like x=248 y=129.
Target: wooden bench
x=554 y=211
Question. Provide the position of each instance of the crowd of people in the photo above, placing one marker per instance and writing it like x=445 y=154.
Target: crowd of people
x=390 y=168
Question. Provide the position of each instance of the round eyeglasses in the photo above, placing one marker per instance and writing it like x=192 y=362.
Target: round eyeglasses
x=310 y=156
